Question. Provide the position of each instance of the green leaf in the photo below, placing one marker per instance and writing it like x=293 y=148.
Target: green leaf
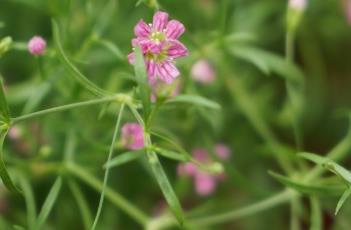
x=82 y=204
x=268 y=62
x=85 y=82
x=330 y=165
x=342 y=200
x=195 y=100
x=6 y=179
x=306 y=188
x=4 y=108
x=142 y=79
x=240 y=37
x=49 y=203
x=171 y=154
x=124 y=158
x=30 y=201
x=165 y=186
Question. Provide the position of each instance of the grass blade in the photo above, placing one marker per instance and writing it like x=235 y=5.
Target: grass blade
x=30 y=201
x=307 y=189
x=85 y=82
x=342 y=200
x=82 y=204
x=49 y=203
x=195 y=100
x=124 y=158
x=316 y=215
x=171 y=154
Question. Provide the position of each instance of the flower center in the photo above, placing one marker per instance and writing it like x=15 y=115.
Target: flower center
x=157 y=36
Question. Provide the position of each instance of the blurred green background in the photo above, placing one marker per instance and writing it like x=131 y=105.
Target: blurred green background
x=322 y=53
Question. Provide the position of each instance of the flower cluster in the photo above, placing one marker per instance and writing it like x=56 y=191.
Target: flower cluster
x=204 y=182
x=160 y=47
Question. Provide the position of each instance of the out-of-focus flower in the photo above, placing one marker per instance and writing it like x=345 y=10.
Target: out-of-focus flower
x=347 y=9
x=15 y=132
x=37 y=45
x=299 y=5
x=222 y=151
x=132 y=136
x=160 y=47
x=203 y=72
x=165 y=91
x=204 y=182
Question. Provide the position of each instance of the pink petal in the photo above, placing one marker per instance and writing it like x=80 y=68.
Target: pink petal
x=167 y=72
x=151 y=71
x=160 y=20
x=202 y=71
x=186 y=169
x=142 y=29
x=132 y=136
x=201 y=155
x=177 y=49
x=205 y=184
x=174 y=29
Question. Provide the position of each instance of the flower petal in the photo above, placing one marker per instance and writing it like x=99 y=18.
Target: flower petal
x=174 y=29
x=160 y=20
x=167 y=72
x=142 y=29
x=151 y=71
x=177 y=49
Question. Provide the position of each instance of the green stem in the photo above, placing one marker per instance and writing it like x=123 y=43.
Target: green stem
x=107 y=170
x=64 y=108
x=111 y=195
x=260 y=206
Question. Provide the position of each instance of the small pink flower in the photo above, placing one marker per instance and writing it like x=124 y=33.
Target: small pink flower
x=205 y=184
x=165 y=91
x=222 y=151
x=132 y=136
x=160 y=47
x=299 y=5
x=15 y=132
x=37 y=45
x=203 y=72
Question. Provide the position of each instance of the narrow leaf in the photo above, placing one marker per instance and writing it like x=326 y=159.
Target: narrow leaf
x=342 y=200
x=314 y=158
x=165 y=186
x=30 y=201
x=6 y=179
x=268 y=62
x=142 y=79
x=49 y=203
x=124 y=158
x=85 y=82
x=195 y=100
x=305 y=188
x=82 y=204
x=171 y=154
x=111 y=47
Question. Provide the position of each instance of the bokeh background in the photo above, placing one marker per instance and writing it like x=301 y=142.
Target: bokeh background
x=36 y=147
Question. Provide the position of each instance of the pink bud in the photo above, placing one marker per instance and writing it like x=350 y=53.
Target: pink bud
x=186 y=169
x=205 y=184
x=37 y=45
x=222 y=151
x=132 y=136
x=203 y=72
x=15 y=132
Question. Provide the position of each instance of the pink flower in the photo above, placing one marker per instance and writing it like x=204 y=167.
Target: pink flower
x=347 y=8
x=203 y=72
x=204 y=182
x=160 y=47
x=222 y=151
x=37 y=45
x=132 y=136
x=165 y=91
x=299 y=5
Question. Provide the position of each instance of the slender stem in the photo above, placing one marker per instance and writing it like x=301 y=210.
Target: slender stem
x=63 y=108
x=110 y=194
x=260 y=206
x=107 y=170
